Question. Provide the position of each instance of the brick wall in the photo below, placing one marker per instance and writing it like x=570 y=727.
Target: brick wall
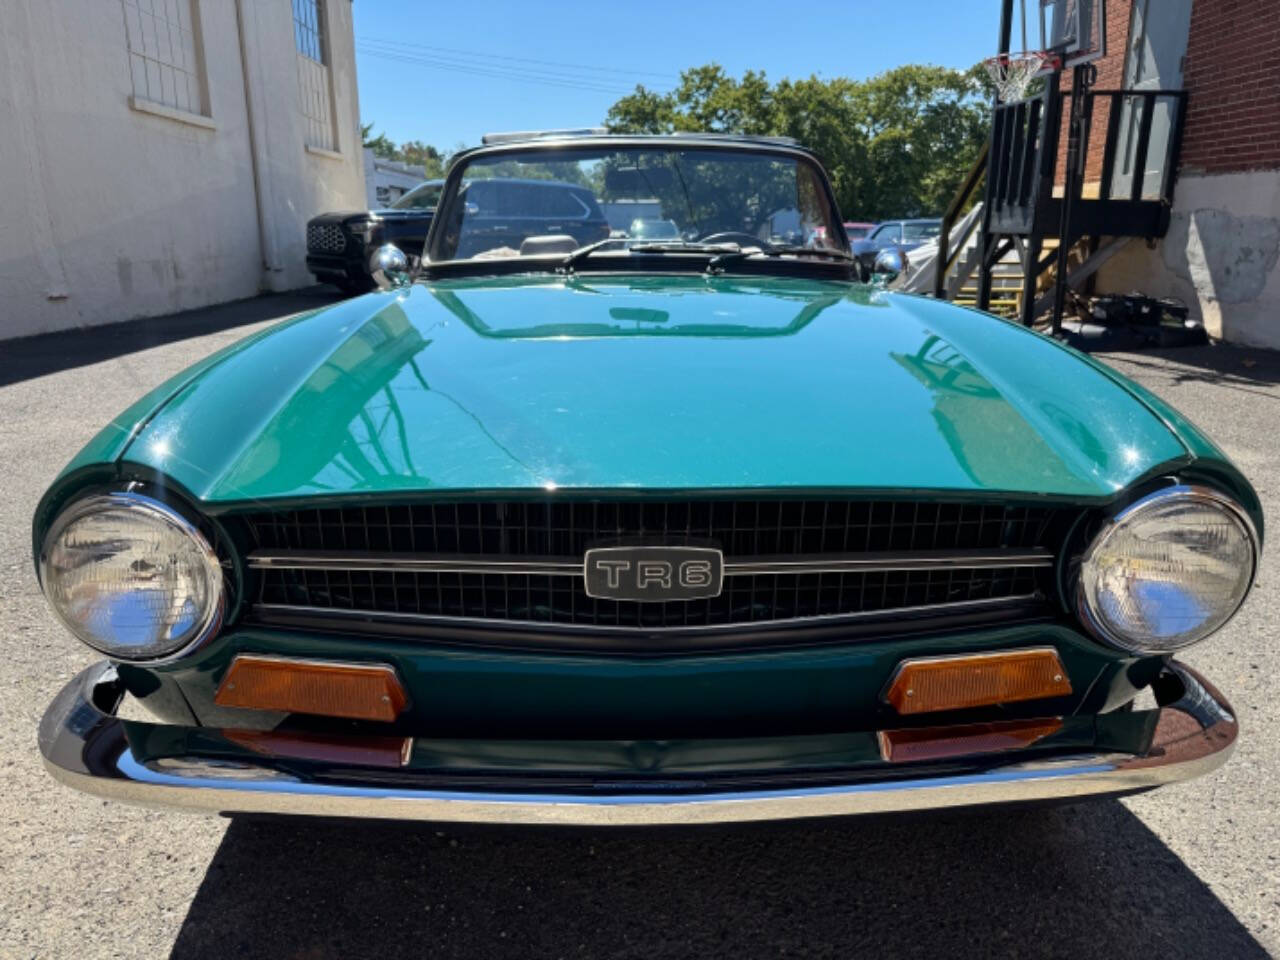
x=1232 y=72
x=1110 y=77
x=1221 y=255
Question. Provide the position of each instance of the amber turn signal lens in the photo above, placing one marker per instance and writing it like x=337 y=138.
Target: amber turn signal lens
x=344 y=751
x=356 y=691
x=941 y=743
x=977 y=680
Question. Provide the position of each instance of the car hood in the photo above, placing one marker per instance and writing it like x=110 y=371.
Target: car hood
x=402 y=214
x=650 y=383
x=871 y=246
x=347 y=216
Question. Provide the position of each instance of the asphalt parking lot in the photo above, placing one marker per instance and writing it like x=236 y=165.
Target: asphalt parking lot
x=1190 y=871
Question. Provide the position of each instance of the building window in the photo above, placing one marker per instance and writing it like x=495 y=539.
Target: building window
x=164 y=53
x=307 y=33
x=315 y=93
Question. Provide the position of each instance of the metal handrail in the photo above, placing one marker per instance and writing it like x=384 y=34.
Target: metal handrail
x=1022 y=159
x=946 y=256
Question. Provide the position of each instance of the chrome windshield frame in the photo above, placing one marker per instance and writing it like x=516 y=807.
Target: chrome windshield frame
x=554 y=145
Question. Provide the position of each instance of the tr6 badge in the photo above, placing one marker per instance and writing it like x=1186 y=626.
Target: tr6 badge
x=653 y=574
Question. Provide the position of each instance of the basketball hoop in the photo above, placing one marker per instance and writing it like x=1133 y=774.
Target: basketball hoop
x=1012 y=73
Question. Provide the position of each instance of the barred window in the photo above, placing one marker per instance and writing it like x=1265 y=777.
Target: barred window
x=307 y=31
x=164 y=55
x=315 y=95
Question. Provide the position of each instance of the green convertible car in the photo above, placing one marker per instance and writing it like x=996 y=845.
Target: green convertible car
x=601 y=530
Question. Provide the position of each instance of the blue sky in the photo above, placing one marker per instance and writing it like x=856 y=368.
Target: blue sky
x=447 y=73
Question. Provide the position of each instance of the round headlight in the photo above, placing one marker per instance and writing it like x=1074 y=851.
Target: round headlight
x=1168 y=570
x=131 y=577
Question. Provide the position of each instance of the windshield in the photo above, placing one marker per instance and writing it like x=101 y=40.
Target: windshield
x=424 y=196
x=921 y=231
x=542 y=201
x=653 y=230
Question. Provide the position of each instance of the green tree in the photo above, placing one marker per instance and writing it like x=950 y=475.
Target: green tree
x=431 y=159
x=643 y=112
x=423 y=155
x=707 y=100
x=895 y=145
x=381 y=145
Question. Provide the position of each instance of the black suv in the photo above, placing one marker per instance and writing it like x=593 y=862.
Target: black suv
x=339 y=244
x=506 y=212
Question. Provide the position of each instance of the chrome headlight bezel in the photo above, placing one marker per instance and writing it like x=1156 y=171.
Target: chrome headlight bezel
x=212 y=616
x=1087 y=605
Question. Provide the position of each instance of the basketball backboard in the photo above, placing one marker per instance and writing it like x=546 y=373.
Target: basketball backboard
x=1076 y=30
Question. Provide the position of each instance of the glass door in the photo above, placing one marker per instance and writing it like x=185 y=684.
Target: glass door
x=1153 y=61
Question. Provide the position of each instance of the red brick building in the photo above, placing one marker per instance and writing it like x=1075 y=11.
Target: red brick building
x=1223 y=246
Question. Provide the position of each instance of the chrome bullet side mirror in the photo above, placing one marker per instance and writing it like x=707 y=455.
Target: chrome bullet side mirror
x=389 y=267
x=889 y=265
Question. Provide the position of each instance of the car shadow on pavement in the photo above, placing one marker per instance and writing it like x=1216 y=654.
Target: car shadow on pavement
x=1241 y=368
x=47 y=353
x=1075 y=882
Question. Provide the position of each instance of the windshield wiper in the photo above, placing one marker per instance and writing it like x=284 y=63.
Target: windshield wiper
x=768 y=250
x=652 y=246
x=684 y=246
x=577 y=256
x=724 y=253
x=813 y=252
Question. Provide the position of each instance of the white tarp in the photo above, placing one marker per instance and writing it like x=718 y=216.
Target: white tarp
x=922 y=260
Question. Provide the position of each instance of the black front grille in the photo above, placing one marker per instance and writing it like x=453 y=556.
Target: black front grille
x=745 y=530
x=757 y=598
x=325 y=238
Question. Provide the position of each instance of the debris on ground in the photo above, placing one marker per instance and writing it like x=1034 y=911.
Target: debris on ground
x=1128 y=321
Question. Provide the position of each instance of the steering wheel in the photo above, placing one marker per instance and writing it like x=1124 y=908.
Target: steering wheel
x=736 y=236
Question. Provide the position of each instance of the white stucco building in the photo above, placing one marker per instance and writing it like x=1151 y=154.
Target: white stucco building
x=160 y=155
x=388 y=180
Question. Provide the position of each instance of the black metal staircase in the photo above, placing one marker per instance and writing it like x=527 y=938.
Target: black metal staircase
x=1033 y=191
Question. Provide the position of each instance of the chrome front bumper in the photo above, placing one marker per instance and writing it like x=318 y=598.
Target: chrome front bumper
x=85 y=746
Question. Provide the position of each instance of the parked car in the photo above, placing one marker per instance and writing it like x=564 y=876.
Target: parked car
x=504 y=213
x=856 y=230
x=339 y=244
x=653 y=230
x=900 y=235
x=642 y=532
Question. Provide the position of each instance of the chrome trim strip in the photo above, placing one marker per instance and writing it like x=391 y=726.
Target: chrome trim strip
x=407 y=563
x=886 y=562
x=84 y=747
x=838 y=563
x=390 y=616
